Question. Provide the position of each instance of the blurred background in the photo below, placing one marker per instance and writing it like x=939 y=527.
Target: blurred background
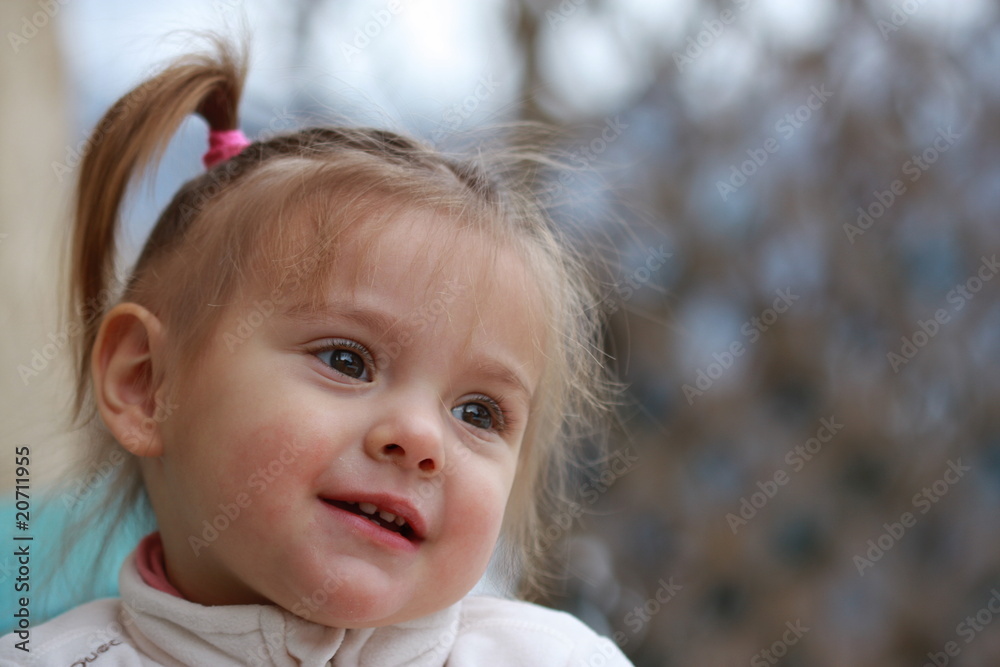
x=798 y=203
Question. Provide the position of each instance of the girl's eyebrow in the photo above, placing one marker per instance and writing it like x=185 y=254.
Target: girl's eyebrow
x=373 y=320
x=503 y=374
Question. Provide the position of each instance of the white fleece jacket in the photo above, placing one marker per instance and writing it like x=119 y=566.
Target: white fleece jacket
x=148 y=627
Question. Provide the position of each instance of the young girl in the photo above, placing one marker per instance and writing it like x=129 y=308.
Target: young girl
x=343 y=367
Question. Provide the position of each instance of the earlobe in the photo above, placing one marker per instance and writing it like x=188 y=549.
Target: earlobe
x=123 y=362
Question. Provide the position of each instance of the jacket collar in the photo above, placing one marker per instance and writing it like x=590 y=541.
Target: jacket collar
x=176 y=631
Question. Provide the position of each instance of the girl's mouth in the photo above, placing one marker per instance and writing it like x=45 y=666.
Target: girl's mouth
x=370 y=511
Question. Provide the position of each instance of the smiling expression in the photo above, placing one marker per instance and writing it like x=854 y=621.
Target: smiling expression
x=366 y=448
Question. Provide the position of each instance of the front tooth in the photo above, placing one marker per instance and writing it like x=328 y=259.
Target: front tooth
x=400 y=521
x=387 y=516
x=367 y=508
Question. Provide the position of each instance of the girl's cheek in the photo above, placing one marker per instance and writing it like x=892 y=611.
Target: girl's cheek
x=247 y=458
x=485 y=517
x=281 y=446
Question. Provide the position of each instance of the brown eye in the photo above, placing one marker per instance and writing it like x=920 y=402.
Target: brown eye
x=349 y=363
x=342 y=358
x=483 y=412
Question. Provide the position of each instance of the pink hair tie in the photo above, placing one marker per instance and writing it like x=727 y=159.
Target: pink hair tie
x=222 y=145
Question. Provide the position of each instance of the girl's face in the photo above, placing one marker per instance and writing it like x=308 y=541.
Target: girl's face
x=303 y=439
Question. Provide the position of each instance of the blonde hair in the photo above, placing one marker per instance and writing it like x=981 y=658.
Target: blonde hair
x=236 y=220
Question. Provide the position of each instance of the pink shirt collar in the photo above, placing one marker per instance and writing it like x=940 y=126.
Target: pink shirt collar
x=151 y=565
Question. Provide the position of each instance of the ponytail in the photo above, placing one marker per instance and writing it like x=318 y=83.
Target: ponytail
x=127 y=143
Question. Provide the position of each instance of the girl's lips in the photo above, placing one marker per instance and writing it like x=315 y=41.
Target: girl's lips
x=416 y=527
x=359 y=523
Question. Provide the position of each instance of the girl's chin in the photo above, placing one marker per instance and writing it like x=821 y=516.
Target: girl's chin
x=348 y=591
x=351 y=606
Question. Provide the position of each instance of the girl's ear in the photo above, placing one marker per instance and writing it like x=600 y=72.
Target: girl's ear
x=127 y=351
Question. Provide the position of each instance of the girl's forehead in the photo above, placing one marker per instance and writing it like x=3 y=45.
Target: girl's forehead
x=428 y=248
x=419 y=259
x=337 y=228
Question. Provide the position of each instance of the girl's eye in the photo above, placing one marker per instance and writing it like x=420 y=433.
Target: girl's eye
x=483 y=413
x=349 y=363
x=347 y=358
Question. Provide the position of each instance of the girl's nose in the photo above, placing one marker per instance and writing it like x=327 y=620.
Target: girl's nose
x=409 y=436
